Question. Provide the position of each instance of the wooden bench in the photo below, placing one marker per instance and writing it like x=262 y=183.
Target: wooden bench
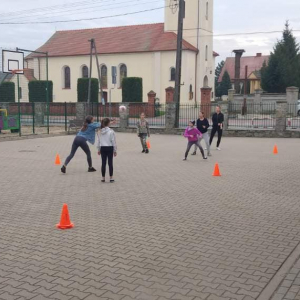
x=75 y=125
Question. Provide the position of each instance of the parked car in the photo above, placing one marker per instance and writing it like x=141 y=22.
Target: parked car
x=298 y=108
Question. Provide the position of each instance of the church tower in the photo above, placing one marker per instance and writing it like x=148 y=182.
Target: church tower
x=198 y=31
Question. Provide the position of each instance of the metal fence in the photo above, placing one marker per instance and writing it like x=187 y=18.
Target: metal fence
x=155 y=114
x=293 y=116
x=252 y=115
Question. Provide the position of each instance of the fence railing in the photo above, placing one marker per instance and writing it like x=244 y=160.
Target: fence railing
x=252 y=115
x=293 y=116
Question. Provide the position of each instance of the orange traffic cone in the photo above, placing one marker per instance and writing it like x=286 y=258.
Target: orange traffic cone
x=57 y=160
x=216 y=171
x=65 y=222
x=275 y=150
x=148 y=145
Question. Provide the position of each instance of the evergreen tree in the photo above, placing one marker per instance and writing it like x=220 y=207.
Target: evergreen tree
x=217 y=75
x=225 y=84
x=283 y=69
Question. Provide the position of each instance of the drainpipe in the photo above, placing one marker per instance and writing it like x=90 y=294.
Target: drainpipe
x=196 y=69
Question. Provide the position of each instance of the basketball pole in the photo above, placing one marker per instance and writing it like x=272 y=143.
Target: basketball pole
x=19 y=108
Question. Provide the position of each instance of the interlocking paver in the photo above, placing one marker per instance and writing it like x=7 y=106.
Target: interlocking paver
x=149 y=236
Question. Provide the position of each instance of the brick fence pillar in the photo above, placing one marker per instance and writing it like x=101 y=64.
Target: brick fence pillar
x=81 y=110
x=151 y=104
x=39 y=113
x=224 y=109
x=281 y=112
x=124 y=116
x=206 y=101
x=292 y=96
x=231 y=93
x=170 y=108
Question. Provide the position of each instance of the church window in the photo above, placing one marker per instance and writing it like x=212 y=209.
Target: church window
x=103 y=76
x=67 y=77
x=172 y=75
x=206 y=52
x=85 y=72
x=123 y=73
x=206 y=14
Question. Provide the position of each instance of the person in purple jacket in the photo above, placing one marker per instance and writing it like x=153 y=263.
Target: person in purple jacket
x=193 y=135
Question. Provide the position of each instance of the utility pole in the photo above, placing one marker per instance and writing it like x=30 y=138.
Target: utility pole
x=90 y=74
x=181 y=15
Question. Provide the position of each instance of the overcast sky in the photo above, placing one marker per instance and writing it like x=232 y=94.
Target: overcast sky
x=230 y=16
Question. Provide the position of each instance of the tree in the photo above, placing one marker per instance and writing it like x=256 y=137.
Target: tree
x=132 y=89
x=83 y=89
x=283 y=69
x=225 y=84
x=217 y=75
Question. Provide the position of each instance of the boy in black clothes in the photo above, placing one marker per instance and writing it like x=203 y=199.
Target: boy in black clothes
x=217 y=119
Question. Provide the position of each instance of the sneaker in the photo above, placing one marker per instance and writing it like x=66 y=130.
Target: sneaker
x=208 y=154
x=194 y=153
x=184 y=158
x=218 y=148
x=205 y=148
x=147 y=151
x=92 y=169
x=205 y=157
x=63 y=169
x=143 y=151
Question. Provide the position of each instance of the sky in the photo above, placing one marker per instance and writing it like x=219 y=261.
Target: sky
x=230 y=17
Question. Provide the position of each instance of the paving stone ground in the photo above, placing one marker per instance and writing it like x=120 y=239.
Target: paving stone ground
x=166 y=229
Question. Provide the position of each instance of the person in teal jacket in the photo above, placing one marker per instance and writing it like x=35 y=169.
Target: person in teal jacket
x=86 y=134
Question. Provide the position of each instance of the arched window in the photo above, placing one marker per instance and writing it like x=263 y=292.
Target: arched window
x=103 y=71
x=206 y=52
x=85 y=72
x=123 y=73
x=172 y=75
x=67 y=78
x=206 y=11
x=205 y=81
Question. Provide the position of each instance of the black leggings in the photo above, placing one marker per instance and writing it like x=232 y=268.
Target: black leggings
x=80 y=141
x=107 y=153
x=213 y=132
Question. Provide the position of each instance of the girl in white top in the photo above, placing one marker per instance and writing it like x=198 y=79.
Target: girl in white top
x=107 y=148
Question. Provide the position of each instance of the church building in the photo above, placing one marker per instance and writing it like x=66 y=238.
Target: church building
x=146 y=51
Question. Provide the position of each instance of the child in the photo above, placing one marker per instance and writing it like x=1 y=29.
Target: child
x=86 y=134
x=107 y=148
x=143 y=131
x=193 y=135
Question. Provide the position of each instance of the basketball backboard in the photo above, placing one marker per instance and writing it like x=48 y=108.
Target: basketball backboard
x=12 y=60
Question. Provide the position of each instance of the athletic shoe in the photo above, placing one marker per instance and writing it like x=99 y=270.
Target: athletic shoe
x=205 y=157
x=218 y=148
x=208 y=154
x=194 y=153
x=205 y=148
x=184 y=158
x=147 y=151
x=92 y=169
x=112 y=181
x=63 y=169
x=143 y=151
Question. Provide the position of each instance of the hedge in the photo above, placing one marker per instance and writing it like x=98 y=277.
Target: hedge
x=83 y=87
x=7 y=92
x=37 y=91
x=132 y=89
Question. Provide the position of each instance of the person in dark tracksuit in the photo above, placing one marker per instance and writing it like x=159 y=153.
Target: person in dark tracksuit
x=86 y=134
x=217 y=119
x=107 y=148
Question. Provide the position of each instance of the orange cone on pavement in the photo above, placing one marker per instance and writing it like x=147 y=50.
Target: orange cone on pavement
x=216 y=171
x=148 y=145
x=275 y=150
x=65 y=222
x=57 y=160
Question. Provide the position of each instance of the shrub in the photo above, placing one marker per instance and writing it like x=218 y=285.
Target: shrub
x=83 y=89
x=37 y=91
x=7 y=92
x=132 y=89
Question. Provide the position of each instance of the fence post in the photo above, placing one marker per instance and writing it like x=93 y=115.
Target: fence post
x=66 y=117
x=224 y=110
x=40 y=113
x=151 y=104
x=124 y=116
x=80 y=110
x=33 y=118
x=292 y=94
x=171 y=109
x=281 y=112
x=231 y=93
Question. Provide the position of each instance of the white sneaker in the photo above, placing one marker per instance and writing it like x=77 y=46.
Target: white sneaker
x=218 y=148
x=205 y=148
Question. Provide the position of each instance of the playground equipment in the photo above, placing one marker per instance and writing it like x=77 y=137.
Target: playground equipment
x=9 y=122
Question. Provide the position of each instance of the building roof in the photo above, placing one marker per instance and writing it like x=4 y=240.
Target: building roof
x=125 y=39
x=254 y=63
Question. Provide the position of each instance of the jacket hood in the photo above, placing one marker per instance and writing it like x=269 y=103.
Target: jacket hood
x=105 y=130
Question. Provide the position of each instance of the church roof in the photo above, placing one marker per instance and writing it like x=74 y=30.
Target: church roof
x=125 y=39
x=254 y=63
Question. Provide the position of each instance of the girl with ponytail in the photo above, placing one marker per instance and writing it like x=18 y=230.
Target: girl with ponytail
x=86 y=134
